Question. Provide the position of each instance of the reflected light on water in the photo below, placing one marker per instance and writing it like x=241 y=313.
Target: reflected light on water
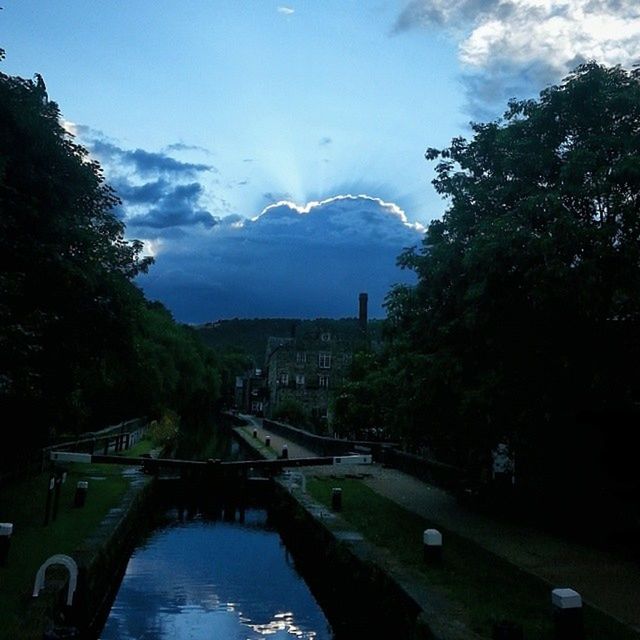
x=204 y=580
x=282 y=622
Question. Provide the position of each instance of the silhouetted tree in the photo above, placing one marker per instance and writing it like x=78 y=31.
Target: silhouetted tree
x=79 y=344
x=525 y=317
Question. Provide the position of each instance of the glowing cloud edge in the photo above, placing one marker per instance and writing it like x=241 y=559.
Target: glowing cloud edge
x=392 y=207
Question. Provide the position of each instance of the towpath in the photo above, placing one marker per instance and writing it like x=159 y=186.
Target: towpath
x=606 y=581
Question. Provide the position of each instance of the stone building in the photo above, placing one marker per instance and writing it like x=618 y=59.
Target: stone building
x=251 y=392
x=311 y=364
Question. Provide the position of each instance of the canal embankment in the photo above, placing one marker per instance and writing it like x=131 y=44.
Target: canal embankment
x=47 y=521
x=476 y=587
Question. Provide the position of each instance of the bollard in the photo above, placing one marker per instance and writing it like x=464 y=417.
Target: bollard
x=432 y=546
x=6 y=529
x=567 y=614
x=255 y=433
x=336 y=499
x=267 y=441
x=285 y=451
x=81 y=494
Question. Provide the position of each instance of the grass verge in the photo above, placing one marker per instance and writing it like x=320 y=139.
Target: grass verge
x=486 y=588
x=23 y=504
x=247 y=434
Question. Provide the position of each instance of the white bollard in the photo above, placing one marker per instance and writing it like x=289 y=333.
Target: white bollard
x=432 y=546
x=567 y=614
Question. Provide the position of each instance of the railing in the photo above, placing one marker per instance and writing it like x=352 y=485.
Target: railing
x=324 y=445
x=113 y=438
x=433 y=471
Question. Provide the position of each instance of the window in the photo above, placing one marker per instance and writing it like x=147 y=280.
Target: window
x=324 y=360
x=301 y=357
x=300 y=379
x=323 y=382
x=283 y=378
x=325 y=337
x=347 y=358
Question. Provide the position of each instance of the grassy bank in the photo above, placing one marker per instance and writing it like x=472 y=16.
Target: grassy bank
x=485 y=589
x=23 y=504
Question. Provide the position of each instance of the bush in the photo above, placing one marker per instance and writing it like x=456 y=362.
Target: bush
x=164 y=431
x=290 y=411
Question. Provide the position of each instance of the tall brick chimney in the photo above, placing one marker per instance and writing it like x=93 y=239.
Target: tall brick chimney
x=362 y=315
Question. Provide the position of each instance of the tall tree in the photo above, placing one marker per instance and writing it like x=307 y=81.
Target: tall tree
x=526 y=312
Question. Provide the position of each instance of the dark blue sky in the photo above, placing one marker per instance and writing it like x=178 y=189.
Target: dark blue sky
x=287 y=262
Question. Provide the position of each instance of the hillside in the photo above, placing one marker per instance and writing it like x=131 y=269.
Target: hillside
x=250 y=335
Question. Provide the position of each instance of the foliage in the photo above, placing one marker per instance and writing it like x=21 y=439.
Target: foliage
x=524 y=321
x=80 y=345
x=291 y=411
x=165 y=430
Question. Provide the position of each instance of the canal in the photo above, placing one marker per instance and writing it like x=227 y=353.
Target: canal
x=203 y=576
x=202 y=579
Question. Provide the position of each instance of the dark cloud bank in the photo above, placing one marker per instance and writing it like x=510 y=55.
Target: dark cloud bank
x=287 y=262
x=284 y=263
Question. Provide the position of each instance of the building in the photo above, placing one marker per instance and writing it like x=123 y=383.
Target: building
x=251 y=392
x=311 y=364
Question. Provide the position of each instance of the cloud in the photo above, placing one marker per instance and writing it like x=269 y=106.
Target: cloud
x=325 y=141
x=147 y=193
x=157 y=191
x=181 y=146
x=274 y=196
x=290 y=260
x=146 y=162
x=512 y=48
x=287 y=11
x=176 y=207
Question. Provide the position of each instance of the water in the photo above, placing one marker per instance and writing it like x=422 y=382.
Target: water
x=215 y=581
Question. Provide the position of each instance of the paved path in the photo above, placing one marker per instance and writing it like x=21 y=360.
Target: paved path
x=277 y=442
x=605 y=581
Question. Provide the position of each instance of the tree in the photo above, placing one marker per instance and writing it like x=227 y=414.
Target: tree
x=80 y=346
x=527 y=307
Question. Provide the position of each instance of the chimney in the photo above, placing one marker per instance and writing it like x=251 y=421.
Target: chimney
x=362 y=316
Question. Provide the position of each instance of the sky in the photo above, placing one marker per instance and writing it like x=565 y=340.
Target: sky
x=271 y=155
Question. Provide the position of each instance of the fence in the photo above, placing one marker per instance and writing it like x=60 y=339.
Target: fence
x=323 y=445
x=438 y=473
x=114 y=438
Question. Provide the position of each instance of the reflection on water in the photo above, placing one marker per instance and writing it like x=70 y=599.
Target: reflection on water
x=214 y=580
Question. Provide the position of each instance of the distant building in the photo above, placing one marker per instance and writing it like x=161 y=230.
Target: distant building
x=309 y=365
x=251 y=392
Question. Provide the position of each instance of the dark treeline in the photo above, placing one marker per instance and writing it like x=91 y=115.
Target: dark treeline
x=80 y=345
x=524 y=323
x=249 y=336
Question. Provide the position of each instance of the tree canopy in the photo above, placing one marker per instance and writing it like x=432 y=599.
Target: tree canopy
x=80 y=345
x=524 y=322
